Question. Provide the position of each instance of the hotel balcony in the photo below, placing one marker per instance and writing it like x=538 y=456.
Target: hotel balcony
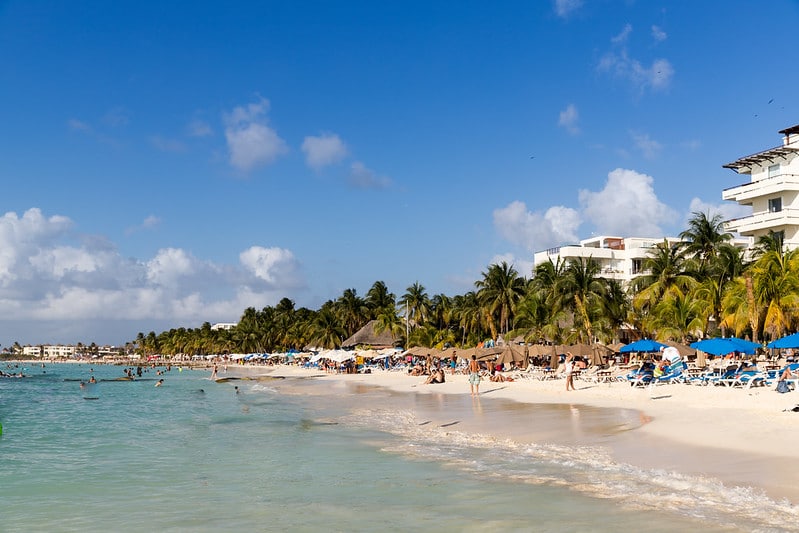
x=764 y=221
x=743 y=194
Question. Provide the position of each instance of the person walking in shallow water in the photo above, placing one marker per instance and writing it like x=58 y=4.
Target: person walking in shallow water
x=474 y=376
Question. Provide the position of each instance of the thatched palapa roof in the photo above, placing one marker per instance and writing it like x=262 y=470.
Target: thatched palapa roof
x=368 y=335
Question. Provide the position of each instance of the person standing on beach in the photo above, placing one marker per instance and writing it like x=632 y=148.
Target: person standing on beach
x=213 y=374
x=569 y=369
x=474 y=376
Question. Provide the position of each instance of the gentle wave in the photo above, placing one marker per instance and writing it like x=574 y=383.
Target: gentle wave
x=589 y=470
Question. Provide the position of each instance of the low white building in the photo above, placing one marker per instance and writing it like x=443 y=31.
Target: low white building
x=772 y=191
x=224 y=325
x=32 y=351
x=54 y=351
x=619 y=258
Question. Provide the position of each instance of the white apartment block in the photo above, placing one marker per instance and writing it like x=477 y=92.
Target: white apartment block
x=224 y=325
x=772 y=191
x=32 y=351
x=56 y=351
x=619 y=258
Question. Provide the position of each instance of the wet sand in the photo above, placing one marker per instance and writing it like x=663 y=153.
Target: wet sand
x=743 y=438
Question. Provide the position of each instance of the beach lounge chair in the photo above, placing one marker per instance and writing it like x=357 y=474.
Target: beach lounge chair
x=640 y=377
x=675 y=375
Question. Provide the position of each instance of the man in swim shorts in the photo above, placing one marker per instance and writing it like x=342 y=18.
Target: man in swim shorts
x=474 y=375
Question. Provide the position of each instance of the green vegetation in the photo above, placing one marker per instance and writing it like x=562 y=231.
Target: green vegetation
x=702 y=285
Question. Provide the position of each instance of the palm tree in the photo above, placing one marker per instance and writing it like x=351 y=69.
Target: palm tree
x=378 y=297
x=584 y=293
x=352 y=311
x=667 y=272
x=677 y=317
x=704 y=236
x=326 y=330
x=416 y=304
x=499 y=291
x=468 y=314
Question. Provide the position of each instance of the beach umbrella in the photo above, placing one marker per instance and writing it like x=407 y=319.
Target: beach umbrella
x=747 y=344
x=536 y=350
x=420 y=351
x=581 y=349
x=599 y=353
x=486 y=354
x=722 y=346
x=511 y=354
x=616 y=346
x=682 y=349
x=643 y=345
x=790 y=341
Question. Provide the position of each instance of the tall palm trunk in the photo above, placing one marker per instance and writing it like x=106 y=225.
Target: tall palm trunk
x=754 y=322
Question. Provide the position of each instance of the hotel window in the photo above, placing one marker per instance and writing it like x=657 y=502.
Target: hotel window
x=773 y=170
x=774 y=205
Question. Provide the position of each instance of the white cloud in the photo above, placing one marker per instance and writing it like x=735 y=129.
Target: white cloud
x=364 y=178
x=623 y=36
x=62 y=283
x=536 y=231
x=322 y=151
x=564 y=8
x=728 y=210
x=276 y=266
x=523 y=266
x=649 y=147
x=658 y=34
x=627 y=205
x=151 y=222
x=167 y=145
x=199 y=128
x=251 y=142
x=568 y=119
x=618 y=62
x=78 y=125
x=116 y=117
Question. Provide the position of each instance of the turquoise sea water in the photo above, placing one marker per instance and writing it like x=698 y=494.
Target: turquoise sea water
x=298 y=455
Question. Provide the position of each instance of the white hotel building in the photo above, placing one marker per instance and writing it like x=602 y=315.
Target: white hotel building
x=772 y=191
x=619 y=258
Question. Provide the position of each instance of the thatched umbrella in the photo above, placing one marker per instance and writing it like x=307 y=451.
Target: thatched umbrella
x=683 y=350
x=599 y=354
x=581 y=349
x=554 y=360
x=484 y=354
x=511 y=354
x=535 y=350
x=420 y=351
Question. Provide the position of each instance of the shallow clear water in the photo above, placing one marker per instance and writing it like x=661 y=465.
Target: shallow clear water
x=298 y=455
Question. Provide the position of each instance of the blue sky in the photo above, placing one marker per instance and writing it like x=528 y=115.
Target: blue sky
x=169 y=163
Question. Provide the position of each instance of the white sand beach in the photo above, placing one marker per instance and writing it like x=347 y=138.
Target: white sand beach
x=743 y=437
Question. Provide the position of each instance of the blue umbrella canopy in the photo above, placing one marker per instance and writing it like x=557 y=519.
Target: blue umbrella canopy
x=722 y=346
x=791 y=341
x=643 y=345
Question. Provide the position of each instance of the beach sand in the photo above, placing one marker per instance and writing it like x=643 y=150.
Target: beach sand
x=742 y=437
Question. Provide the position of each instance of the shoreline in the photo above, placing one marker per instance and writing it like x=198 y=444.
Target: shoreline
x=741 y=437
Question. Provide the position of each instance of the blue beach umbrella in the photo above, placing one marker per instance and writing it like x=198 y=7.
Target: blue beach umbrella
x=791 y=341
x=643 y=345
x=722 y=346
x=746 y=343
